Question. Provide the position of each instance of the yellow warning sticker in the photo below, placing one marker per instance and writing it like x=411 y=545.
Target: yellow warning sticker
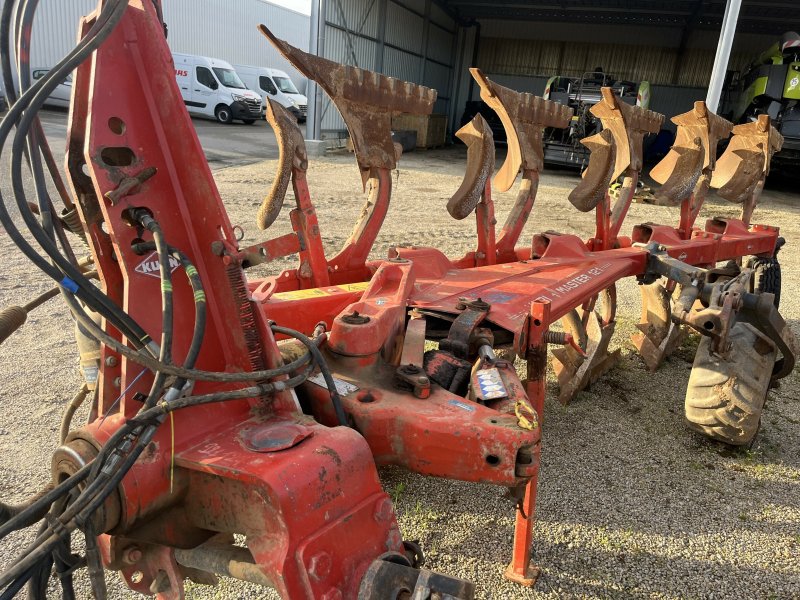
x=354 y=287
x=317 y=292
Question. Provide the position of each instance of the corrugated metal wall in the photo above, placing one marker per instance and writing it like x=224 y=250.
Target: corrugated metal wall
x=413 y=40
x=216 y=28
x=635 y=63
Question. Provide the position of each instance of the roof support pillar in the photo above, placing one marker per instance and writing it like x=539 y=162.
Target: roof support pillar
x=723 y=54
x=313 y=91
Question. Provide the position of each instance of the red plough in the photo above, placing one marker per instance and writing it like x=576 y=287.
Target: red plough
x=260 y=407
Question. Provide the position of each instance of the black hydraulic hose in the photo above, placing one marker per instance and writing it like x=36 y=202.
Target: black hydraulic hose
x=11 y=511
x=37 y=584
x=18 y=583
x=85 y=290
x=31 y=101
x=106 y=475
x=24 y=22
x=199 y=305
x=25 y=14
x=24 y=28
x=94 y=564
x=65 y=564
x=165 y=355
x=72 y=408
x=199 y=315
x=336 y=400
x=151 y=363
x=93 y=496
x=78 y=513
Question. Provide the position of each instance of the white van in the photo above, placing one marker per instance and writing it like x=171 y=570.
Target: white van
x=211 y=88
x=276 y=85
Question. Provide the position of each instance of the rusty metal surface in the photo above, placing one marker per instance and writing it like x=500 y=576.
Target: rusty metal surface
x=223 y=559
x=291 y=155
x=595 y=179
x=745 y=162
x=365 y=99
x=477 y=135
x=575 y=372
x=524 y=116
x=391 y=577
x=693 y=153
x=658 y=336
x=629 y=124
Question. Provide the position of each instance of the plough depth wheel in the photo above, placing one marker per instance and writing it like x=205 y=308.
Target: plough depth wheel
x=726 y=395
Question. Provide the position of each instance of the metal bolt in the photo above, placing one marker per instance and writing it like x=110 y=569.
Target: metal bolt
x=131 y=555
x=111 y=361
x=355 y=318
x=137 y=577
x=319 y=567
x=117 y=381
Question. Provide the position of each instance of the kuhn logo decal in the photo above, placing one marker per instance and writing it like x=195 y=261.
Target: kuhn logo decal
x=149 y=266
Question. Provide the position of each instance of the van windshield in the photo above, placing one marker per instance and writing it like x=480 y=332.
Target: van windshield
x=229 y=78
x=285 y=85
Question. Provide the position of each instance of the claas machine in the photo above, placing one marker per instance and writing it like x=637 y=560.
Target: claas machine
x=770 y=85
x=236 y=423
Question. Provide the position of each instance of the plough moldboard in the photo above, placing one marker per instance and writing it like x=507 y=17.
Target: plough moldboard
x=291 y=389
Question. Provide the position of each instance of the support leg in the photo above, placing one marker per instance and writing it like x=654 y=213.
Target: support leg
x=520 y=570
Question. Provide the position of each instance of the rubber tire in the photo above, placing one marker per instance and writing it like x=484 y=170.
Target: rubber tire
x=766 y=277
x=223 y=114
x=248 y=121
x=732 y=417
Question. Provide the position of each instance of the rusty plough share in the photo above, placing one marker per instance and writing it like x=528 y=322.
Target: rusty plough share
x=312 y=377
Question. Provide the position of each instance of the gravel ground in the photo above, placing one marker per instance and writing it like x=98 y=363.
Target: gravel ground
x=631 y=504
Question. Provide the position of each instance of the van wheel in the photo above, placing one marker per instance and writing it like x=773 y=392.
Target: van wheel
x=223 y=114
x=248 y=121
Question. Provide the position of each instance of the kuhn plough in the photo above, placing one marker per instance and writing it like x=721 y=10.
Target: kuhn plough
x=260 y=407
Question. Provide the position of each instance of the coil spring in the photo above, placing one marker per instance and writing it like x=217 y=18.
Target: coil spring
x=11 y=319
x=556 y=337
x=73 y=222
x=247 y=317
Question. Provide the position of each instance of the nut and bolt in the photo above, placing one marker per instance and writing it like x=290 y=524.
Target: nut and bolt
x=354 y=318
x=319 y=567
x=117 y=381
x=137 y=577
x=131 y=555
x=111 y=361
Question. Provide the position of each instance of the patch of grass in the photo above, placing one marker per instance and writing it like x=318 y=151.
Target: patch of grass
x=397 y=492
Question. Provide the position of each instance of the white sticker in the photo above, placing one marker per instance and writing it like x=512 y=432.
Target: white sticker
x=150 y=266
x=342 y=387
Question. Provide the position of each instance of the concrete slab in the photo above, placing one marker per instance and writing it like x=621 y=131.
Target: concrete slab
x=316 y=148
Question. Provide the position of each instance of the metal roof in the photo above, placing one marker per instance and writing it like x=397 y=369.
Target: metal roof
x=756 y=16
